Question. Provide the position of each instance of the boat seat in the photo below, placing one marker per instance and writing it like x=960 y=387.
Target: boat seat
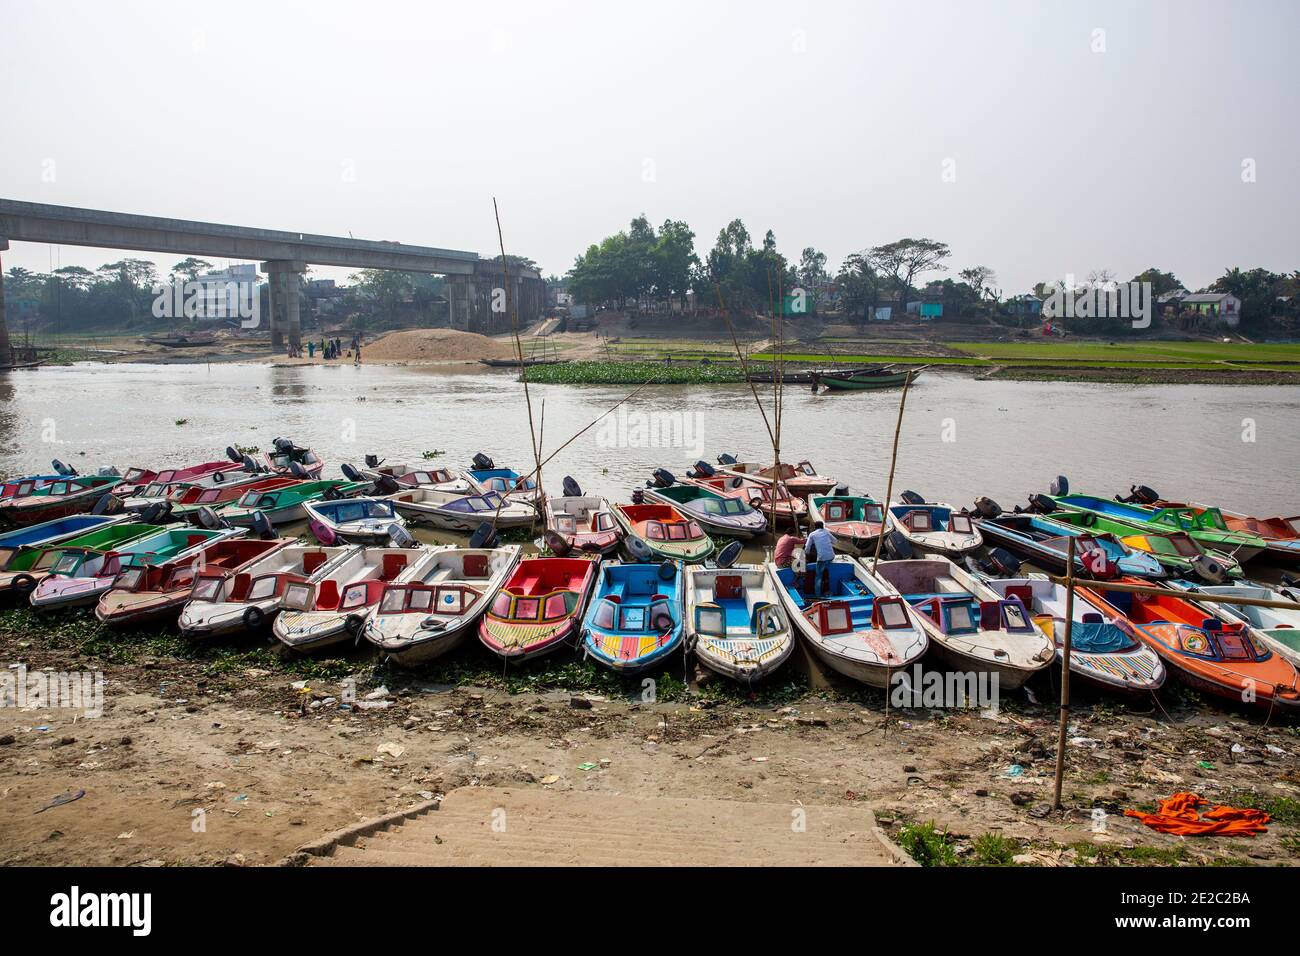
x=327 y=596
x=193 y=539
x=990 y=616
x=476 y=565
x=528 y=586
x=1092 y=617
x=1211 y=624
x=311 y=561
x=393 y=566
x=1022 y=591
x=239 y=590
x=726 y=587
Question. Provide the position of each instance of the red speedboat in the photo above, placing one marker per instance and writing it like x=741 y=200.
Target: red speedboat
x=539 y=608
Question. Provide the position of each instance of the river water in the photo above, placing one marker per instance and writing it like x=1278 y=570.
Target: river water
x=1230 y=445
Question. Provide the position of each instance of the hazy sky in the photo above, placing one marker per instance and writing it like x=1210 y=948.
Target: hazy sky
x=1076 y=135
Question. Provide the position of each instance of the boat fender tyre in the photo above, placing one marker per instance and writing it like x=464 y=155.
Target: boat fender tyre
x=207 y=518
x=1060 y=486
x=482 y=462
x=233 y=454
x=571 y=488
x=987 y=507
x=353 y=624
x=350 y=473
x=667 y=571
x=262 y=526
x=387 y=484
x=911 y=498
x=704 y=470
x=663 y=621
x=23 y=583
x=899 y=548
x=728 y=555
x=297 y=470
x=484 y=536
x=1042 y=503
x=639 y=550
x=1005 y=563
x=254 y=618
x=1144 y=494
x=556 y=543
x=663 y=477
x=726 y=459
x=1209 y=570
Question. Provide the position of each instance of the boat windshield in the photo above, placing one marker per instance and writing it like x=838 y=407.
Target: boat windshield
x=355 y=596
x=206 y=589
x=212 y=494
x=263 y=587
x=298 y=596
x=130 y=579
x=960 y=524
x=555 y=605
x=725 y=506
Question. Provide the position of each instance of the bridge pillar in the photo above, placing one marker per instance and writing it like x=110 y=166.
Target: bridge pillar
x=6 y=356
x=282 y=288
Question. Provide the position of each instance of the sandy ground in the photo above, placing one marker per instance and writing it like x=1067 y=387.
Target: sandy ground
x=199 y=762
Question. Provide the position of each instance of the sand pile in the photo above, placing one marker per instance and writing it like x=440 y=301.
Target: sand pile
x=434 y=345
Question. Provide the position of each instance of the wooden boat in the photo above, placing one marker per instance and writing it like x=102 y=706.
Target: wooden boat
x=286 y=458
x=862 y=382
x=1277 y=628
x=79 y=577
x=485 y=477
x=858 y=629
x=1223 y=659
x=149 y=592
x=1281 y=535
x=59 y=499
x=1100 y=651
x=1046 y=542
x=51 y=532
x=635 y=620
x=181 y=340
x=660 y=532
x=457 y=512
x=1176 y=551
x=28 y=565
x=223 y=603
x=801 y=479
x=431 y=613
x=581 y=523
x=515 y=363
x=352 y=520
x=1206 y=527
x=189 y=502
x=735 y=620
x=969 y=625
x=855 y=520
x=285 y=504
x=539 y=608
x=763 y=498
x=23 y=487
x=138 y=481
x=333 y=608
x=716 y=513
x=934 y=526
x=410 y=476
x=163 y=492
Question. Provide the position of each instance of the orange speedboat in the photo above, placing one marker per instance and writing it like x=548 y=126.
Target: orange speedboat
x=1209 y=654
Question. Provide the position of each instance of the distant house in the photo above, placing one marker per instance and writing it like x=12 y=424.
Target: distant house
x=1028 y=305
x=1221 y=306
x=1171 y=302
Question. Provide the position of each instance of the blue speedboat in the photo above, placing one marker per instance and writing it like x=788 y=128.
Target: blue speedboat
x=635 y=618
x=52 y=532
x=486 y=477
x=1046 y=541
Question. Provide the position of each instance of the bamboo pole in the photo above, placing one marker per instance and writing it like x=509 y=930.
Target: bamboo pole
x=1065 y=673
x=889 y=488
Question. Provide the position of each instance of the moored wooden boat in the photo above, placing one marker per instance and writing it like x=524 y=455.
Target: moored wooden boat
x=430 y=613
x=286 y=458
x=635 y=619
x=855 y=520
x=736 y=623
x=716 y=513
x=800 y=479
x=27 y=566
x=1046 y=542
x=857 y=628
x=581 y=523
x=863 y=382
x=1278 y=628
x=540 y=607
x=58 y=499
x=457 y=512
x=1177 y=552
x=766 y=499
x=486 y=477
x=352 y=520
x=934 y=526
x=662 y=533
x=1281 y=534
x=285 y=504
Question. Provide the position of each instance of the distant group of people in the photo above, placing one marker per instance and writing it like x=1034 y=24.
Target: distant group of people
x=331 y=349
x=819 y=550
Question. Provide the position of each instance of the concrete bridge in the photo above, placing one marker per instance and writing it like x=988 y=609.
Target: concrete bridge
x=283 y=255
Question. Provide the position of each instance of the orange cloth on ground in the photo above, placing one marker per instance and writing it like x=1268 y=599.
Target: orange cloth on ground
x=1179 y=815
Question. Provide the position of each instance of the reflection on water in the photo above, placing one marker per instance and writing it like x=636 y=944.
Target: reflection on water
x=961 y=438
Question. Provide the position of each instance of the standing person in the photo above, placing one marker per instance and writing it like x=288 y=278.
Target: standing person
x=356 y=354
x=785 y=549
x=311 y=350
x=821 y=548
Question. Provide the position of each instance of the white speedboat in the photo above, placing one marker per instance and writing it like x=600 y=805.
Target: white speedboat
x=737 y=625
x=934 y=526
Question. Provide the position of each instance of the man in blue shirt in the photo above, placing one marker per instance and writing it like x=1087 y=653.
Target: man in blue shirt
x=821 y=548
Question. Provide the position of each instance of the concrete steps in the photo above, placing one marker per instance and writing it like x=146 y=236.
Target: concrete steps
x=486 y=826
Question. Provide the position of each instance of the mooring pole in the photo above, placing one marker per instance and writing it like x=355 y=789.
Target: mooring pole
x=889 y=487
x=1065 y=672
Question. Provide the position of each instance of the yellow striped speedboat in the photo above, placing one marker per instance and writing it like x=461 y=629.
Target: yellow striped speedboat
x=539 y=608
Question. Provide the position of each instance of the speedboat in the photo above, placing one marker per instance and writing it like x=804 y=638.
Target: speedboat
x=764 y=498
x=431 y=612
x=1101 y=652
x=409 y=476
x=352 y=520
x=581 y=523
x=635 y=620
x=190 y=501
x=286 y=458
x=79 y=577
x=333 y=608
x=223 y=603
x=22 y=487
x=1046 y=542
x=148 y=592
x=858 y=629
x=855 y=520
x=285 y=504
x=539 y=608
x=1278 y=628
x=934 y=526
x=801 y=479
x=662 y=533
x=486 y=477
x=58 y=499
x=137 y=480
x=457 y=512
x=737 y=625
x=1281 y=534
x=1176 y=551
x=970 y=626
x=716 y=513
x=28 y=565
x=1204 y=651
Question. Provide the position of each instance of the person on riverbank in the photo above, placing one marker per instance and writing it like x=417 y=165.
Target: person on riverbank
x=356 y=354
x=821 y=548
x=311 y=351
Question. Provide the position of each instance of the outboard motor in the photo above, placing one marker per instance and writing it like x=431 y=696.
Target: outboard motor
x=556 y=543
x=898 y=547
x=283 y=445
x=667 y=571
x=250 y=466
x=156 y=513
x=482 y=462
x=297 y=470
x=728 y=555
x=387 y=485
x=987 y=507
x=484 y=536
x=663 y=477
x=350 y=473
x=639 y=550
x=63 y=469
x=110 y=504
x=840 y=491
x=638 y=496
x=1209 y=570
x=725 y=459
x=1003 y=562
x=233 y=454
x=704 y=470
x=205 y=517
x=108 y=471
x=571 y=488
x=1042 y=504
x=1142 y=495
x=399 y=537
x=1059 y=486
x=911 y=498
x=262 y=526
x=372 y=461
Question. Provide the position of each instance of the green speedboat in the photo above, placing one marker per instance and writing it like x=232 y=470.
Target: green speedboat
x=1175 y=550
x=283 y=505
x=1207 y=527
x=24 y=568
